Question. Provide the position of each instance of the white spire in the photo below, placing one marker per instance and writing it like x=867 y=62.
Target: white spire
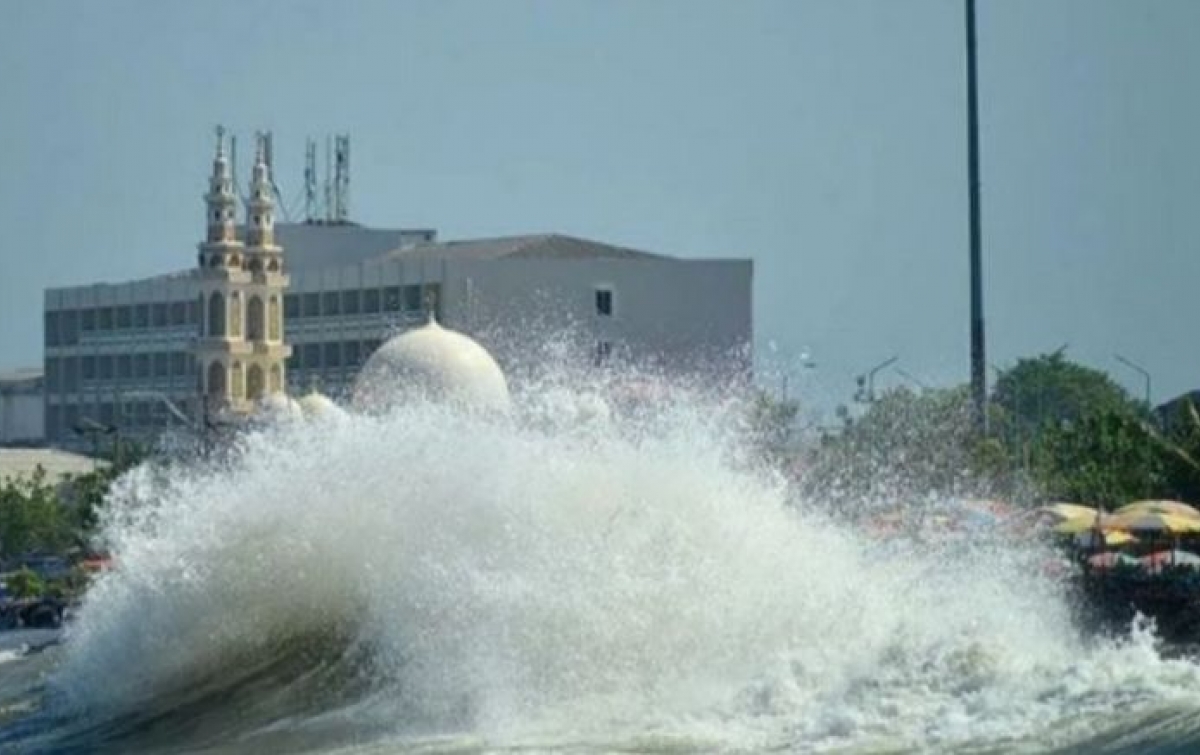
x=220 y=201
x=261 y=223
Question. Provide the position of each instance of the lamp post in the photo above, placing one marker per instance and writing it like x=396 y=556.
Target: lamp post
x=866 y=382
x=978 y=356
x=1137 y=368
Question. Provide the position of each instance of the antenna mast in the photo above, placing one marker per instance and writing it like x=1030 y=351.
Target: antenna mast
x=341 y=159
x=310 y=181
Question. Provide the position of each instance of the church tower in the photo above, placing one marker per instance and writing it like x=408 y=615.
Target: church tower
x=240 y=352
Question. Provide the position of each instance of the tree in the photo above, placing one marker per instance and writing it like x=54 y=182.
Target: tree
x=906 y=443
x=1049 y=390
x=1105 y=457
x=31 y=517
x=25 y=583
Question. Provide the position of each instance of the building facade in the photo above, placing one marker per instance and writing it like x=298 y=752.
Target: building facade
x=144 y=355
x=22 y=407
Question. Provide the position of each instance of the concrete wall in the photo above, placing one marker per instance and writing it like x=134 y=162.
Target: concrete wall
x=21 y=411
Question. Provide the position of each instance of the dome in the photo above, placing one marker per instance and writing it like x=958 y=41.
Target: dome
x=431 y=363
x=278 y=406
x=316 y=405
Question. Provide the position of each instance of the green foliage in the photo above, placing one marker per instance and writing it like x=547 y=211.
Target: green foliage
x=31 y=516
x=1105 y=457
x=772 y=424
x=25 y=584
x=1050 y=390
x=906 y=442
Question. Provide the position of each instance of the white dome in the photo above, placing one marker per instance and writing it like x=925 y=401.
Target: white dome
x=278 y=406
x=316 y=405
x=431 y=363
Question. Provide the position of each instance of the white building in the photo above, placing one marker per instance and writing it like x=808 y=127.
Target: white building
x=21 y=407
x=114 y=352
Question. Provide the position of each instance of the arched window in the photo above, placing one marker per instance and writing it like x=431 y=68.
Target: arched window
x=239 y=382
x=254 y=382
x=200 y=311
x=276 y=379
x=274 y=324
x=235 y=315
x=254 y=319
x=216 y=316
x=216 y=381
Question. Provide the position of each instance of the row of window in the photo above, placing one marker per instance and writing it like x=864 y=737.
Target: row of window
x=360 y=301
x=64 y=421
x=69 y=373
x=331 y=354
x=64 y=326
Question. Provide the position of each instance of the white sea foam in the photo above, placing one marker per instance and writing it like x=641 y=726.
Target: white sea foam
x=566 y=575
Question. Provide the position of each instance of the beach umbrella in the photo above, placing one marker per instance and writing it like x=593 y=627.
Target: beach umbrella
x=1065 y=511
x=1160 y=559
x=1080 y=524
x=1175 y=508
x=1092 y=539
x=1167 y=524
x=1111 y=560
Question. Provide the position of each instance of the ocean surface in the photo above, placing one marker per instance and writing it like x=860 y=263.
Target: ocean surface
x=571 y=578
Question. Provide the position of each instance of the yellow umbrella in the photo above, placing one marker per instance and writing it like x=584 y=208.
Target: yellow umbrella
x=1150 y=522
x=1080 y=524
x=1092 y=539
x=1065 y=511
x=1175 y=508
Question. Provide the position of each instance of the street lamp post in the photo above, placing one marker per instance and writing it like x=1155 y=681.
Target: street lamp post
x=1137 y=368
x=978 y=357
x=866 y=382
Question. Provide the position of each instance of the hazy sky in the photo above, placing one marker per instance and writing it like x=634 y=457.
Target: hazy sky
x=824 y=139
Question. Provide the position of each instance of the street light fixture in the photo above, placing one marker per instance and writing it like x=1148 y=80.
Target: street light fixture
x=866 y=382
x=1137 y=368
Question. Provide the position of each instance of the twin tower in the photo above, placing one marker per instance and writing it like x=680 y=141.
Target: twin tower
x=240 y=352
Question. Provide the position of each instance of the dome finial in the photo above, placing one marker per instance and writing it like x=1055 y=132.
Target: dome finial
x=431 y=306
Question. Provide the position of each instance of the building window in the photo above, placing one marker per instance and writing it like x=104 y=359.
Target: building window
x=104 y=366
x=159 y=315
x=70 y=374
x=604 y=302
x=87 y=366
x=124 y=318
x=124 y=367
x=312 y=305
x=412 y=299
x=291 y=306
x=52 y=375
x=87 y=320
x=333 y=354
x=352 y=352
x=333 y=303
x=141 y=316
x=104 y=318
x=293 y=361
x=371 y=300
x=179 y=365
x=107 y=415
x=369 y=348
x=51 y=328
x=68 y=328
x=312 y=356
x=54 y=421
x=162 y=364
x=391 y=299
x=193 y=312
x=216 y=315
x=179 y=313
x=141 y=365
x=350 y=302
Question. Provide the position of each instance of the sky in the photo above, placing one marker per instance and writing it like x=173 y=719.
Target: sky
x=825 y=139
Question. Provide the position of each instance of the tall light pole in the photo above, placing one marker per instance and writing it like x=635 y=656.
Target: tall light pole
x=866 y=381
x=978 y=357
x=1137 y=368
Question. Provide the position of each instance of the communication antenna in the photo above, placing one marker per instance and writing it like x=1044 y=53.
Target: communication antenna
x=310 y=181
x=269 y=158
x=341 y=179
x=328 y=182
